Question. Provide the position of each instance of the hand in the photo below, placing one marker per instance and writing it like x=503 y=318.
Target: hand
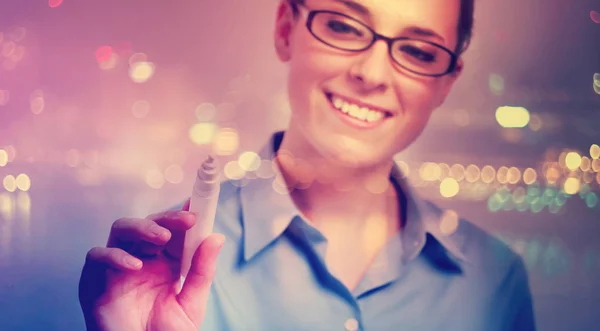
x=133 y=282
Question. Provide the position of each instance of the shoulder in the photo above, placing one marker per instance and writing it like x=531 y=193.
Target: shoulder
x=484 y=251
x=494 y=273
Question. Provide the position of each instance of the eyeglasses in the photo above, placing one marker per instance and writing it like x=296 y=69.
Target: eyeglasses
x=345 y=33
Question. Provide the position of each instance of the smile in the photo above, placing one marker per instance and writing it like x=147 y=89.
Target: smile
x=357 y=115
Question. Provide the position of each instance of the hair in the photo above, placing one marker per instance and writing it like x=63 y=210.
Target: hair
x=465 y=23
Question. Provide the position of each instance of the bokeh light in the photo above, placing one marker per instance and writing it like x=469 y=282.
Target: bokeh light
x=206 y=112
x=226 y=142
x=449 y=222
x=110 y=63
x=141 y=72
x=591 y=200
x=595 y=165
x=233 y=170
x=586 y=164
x=457 y=171
x=3 y=158
x=249 y=161
x=54 y=3
x=496 y=84
x=535 y=122
x=512 y=117
x=573 y=160
x=572 y=185
x=595 y=151
x=140 y=108
x=72 y=158
x=174 y=174
x=23 y=182
x=488 y=173
x=155 y=179
x=552 y=174
x=203 y=133
x=449 y=187
x=529 y=176
x=513 y=175
x=502 y=175
x=104 y=53
x=9 y=183
x=430 y=171
x=472 y=173
x=404 y=168
x=37 y=104
x=266 y=169
x=137 y=58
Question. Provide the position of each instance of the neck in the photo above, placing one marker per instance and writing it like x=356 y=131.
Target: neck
x=331 y=194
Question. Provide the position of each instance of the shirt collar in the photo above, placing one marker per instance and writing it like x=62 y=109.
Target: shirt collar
x=265 y=222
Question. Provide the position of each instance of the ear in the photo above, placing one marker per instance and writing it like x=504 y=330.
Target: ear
x=449 y=80
x=283 y=30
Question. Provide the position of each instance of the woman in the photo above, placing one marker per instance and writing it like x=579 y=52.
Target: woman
x=347 y=245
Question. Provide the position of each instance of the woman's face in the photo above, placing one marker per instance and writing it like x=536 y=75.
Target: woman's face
x=324 y=80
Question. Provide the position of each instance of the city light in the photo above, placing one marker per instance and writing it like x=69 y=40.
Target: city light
x=512 y=117
x=573 y=161
x=141 y=72
x=226 y=141
x=249 y=161
x=202 y=133
x=496 y=84
x=595 y=151
x=449 y=187
x=3 y=158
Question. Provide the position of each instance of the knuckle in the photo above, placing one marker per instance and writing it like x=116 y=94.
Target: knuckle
x=114 y=255
x=94 y=253
x=118 y=223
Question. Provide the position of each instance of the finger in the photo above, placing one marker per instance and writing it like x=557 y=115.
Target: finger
x=114 y=258
x=195 y=291
x=178 y=222
x=174 y=220
x=127 y=231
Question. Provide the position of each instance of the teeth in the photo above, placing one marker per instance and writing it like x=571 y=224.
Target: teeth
x=361 y=113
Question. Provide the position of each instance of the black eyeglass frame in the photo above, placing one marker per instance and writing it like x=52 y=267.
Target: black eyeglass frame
x=376 y=36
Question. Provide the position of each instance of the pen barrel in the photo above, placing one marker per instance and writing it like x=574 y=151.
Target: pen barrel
x=203 y=203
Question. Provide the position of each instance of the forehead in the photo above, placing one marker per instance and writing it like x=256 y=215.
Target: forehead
x=392 y=17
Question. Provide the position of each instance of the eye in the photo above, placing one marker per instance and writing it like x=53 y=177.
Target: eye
x=343 y=28
x=418 y=54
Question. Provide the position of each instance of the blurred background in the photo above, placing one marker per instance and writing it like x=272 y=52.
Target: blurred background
x=108 y=107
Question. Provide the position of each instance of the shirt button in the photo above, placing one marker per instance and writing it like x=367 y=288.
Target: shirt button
x=351 y=324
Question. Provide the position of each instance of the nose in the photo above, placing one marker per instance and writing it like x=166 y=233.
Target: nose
x=372 y=70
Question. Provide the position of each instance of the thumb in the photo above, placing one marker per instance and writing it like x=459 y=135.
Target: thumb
x=195 y=291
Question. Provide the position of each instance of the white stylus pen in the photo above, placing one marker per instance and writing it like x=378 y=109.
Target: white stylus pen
x=203 y=202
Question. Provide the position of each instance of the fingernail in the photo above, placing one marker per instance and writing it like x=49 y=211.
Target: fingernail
x=133 y=262
x=157 y=231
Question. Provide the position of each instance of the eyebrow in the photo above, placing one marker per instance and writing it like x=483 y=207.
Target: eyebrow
x=355 y=6
x=423 y=32
x=416 y=30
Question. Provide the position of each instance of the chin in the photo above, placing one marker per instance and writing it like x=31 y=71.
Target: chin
x=346 y=152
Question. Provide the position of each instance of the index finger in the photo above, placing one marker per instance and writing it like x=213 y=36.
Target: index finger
x=178 y=222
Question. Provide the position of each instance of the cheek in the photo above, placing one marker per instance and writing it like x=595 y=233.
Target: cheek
x=417 y=98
